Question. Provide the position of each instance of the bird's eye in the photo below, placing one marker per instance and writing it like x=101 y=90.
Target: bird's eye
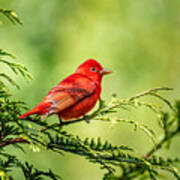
x=93 y=69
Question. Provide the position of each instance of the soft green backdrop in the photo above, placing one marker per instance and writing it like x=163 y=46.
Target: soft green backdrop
x=139 y=40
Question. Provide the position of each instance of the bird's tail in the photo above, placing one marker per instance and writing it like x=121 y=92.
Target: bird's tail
x=41 y=109
x=33 y=111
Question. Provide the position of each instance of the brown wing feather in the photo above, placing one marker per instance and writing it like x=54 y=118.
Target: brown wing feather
x=65 y=98
x=67 y=93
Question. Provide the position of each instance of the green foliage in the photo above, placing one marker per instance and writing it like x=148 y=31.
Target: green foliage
x=15 y=67
x=15 y=132
x=11 y=15
x=31 y=173
x=37 y=134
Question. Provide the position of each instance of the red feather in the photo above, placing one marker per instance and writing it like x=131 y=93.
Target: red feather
x=75 y=95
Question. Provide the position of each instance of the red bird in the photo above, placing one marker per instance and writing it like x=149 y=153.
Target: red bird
x=75 y=95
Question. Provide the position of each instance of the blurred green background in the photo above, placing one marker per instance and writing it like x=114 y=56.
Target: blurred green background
x=138 y=40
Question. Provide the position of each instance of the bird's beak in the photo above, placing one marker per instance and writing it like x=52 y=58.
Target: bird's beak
x=105 y=71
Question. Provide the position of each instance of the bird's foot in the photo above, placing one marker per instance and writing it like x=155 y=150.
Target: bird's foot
x=86 y=118
x=60 y=120
x=44 y=116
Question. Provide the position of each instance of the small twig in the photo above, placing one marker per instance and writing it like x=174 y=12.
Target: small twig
x=2 y=129
x=97 y=156
x=13 y=141
x=154 y=90
x=160 y=144
x=151 y=152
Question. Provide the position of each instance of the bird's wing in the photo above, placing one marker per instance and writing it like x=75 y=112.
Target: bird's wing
x=65 y=95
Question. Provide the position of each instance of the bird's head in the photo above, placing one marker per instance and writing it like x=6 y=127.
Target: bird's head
x=92 y=69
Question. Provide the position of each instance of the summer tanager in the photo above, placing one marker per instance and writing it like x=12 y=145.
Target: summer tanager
x=75 y=95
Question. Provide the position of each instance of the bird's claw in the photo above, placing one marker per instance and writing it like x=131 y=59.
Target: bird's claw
x=44 y=116
x=60 y=120
x=86 y=118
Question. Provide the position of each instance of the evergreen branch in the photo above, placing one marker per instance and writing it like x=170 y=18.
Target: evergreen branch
x=11 y=15
x=5 y=53
x=105 y=154
x=149 y=132
x=13 y=141
x=16 y=67
x=161 y=143
x=170 y=132
x=163 y=99
x=149 y=92
x=9 y=79
x=32 y=173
